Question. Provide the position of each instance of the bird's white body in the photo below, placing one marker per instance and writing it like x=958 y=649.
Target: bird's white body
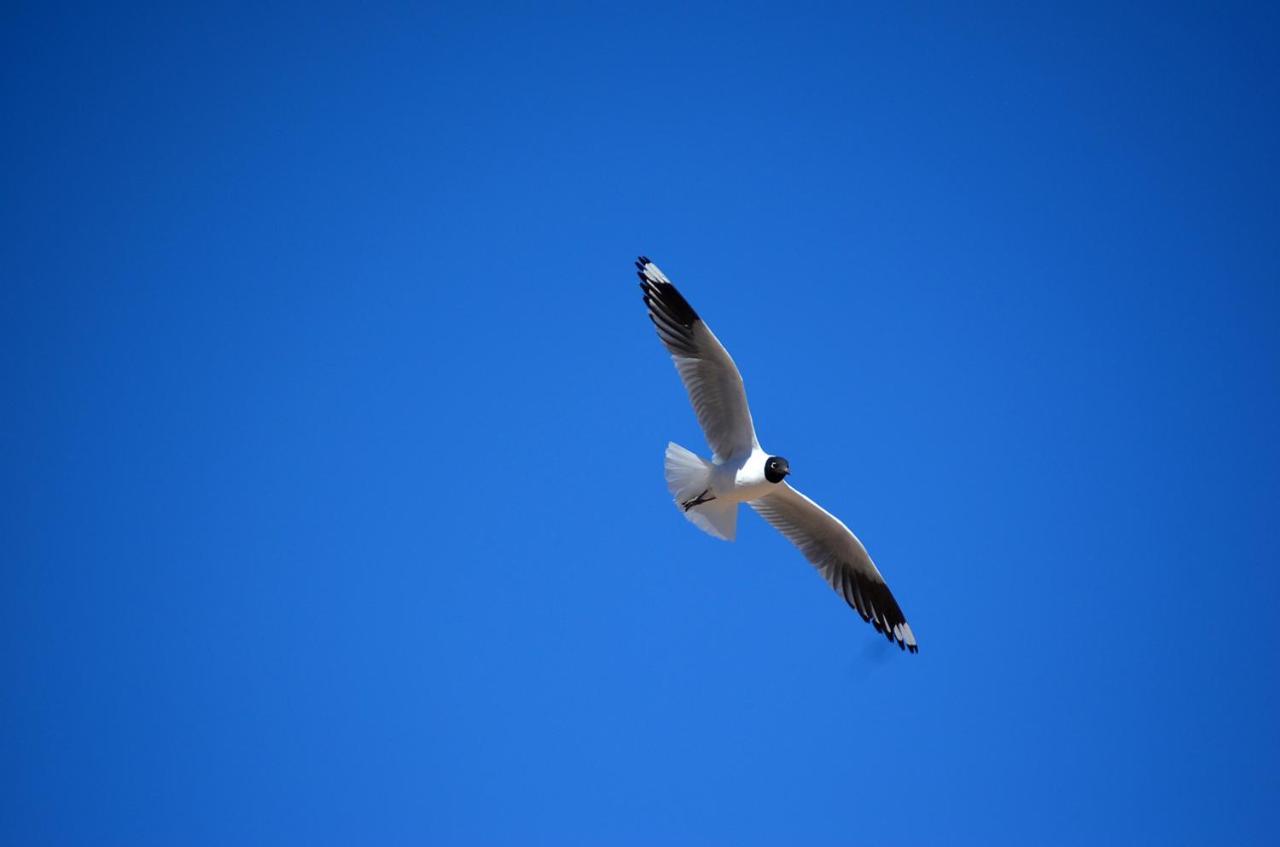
x=741 y=479
x=716 y=486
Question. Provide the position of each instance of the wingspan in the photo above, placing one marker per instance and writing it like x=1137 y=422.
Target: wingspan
x=840 y=557
x=709 y=374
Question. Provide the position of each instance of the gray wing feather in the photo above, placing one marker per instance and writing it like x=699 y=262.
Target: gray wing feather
x=705 y=367
x=840 y=557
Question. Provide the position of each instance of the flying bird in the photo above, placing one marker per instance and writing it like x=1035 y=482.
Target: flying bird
x=741 y=471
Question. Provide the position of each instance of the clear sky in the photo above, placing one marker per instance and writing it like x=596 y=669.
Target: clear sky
x=333 y=433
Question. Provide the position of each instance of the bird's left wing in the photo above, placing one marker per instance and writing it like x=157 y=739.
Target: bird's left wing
x=840 y=557
x=708 y=372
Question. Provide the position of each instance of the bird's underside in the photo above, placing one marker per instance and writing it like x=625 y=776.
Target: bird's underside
x=720 y=403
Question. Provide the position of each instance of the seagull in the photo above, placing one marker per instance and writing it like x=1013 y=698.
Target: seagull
x=741 y=471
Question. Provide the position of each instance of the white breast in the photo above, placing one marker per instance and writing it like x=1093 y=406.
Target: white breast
x=743 y=479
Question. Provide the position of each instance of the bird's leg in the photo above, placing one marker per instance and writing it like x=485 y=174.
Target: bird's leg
x=699 y=500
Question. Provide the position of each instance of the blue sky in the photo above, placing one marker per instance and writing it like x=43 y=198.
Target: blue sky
x=332 y=450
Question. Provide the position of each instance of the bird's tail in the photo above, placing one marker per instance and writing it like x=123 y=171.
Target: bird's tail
x=688 y=476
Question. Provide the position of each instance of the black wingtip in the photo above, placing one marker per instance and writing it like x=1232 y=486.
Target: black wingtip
x=642 y=261
x=662 y=297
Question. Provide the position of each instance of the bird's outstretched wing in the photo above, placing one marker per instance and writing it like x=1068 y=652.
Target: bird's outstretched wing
x=840 y=557
x=708 y=373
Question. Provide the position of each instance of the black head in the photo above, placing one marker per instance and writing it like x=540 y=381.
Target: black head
x=776 y=469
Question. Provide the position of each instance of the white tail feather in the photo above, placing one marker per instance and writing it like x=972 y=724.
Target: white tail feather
x=688 y=475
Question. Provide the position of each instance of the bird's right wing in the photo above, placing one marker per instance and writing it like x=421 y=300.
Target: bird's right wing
x=709 y=374
x=840 y=557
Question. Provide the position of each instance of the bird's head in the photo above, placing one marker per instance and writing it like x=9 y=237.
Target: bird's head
x=776 y=469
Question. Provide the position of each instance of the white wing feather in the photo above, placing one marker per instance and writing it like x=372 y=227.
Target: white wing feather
x=705 y=367
x=840 y=557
